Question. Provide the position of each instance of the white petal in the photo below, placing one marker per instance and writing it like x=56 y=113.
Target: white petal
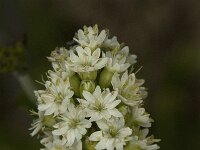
x=102 y=124
x=47 y=98
x=115 y=112
x=96 y=136
x=101 y=63
x=96 y=53
x=60 y=131
x=105 y=114
x=124 y=67
x=88 y=96
x=101 y=145
x=73 y=57
x=80 y=51
x=78 y=135
x=101 y=37
x=115 y=81
x=125 y=132
x=110 y=144
x=81 y=35
x=77 y=146
x=113 y=104
x=70 y=137
x=50 y=110
x=119 y=146
x=95 y=117
x=82 y=130
x=43 y=107
x=87 y=51
x=97 y=92
x=36 y=130
x=124 y=78
x=132 y=59
x=86 y=123
x=109 y=97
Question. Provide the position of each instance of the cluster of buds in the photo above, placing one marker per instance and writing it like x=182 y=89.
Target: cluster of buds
x=92 y=99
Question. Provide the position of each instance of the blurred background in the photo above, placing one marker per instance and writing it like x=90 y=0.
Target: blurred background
x=165 y=35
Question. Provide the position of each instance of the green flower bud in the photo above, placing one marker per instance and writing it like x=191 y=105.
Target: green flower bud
x=123 y=109
x=88 y=75
x=87 y=85
x=75 y=83
x=132 y=147
x=105 y=78
x=49 y=121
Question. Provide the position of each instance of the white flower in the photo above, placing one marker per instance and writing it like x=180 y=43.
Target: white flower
x=59 y=55
x=73 y=125
x=64 y=75
x=99 y=104
x=110 y=44
x=140 y=117
x=90 y=37
x=52 y=142
x=61 y=70
x=120 y=61
x=141 y=145
x=143 y=142
x=86 y=60
x=56 y=97
x=58 y=58
x=113 y=134
x=38 y=123
x=130 y=90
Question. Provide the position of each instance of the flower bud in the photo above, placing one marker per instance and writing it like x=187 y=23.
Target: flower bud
x=105 y=78
x=123 y=109
x=87 y=85
x=49 y=121
x=75 y=83
x=132 y=147
x=88 y=75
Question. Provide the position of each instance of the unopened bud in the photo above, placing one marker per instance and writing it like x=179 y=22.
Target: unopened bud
x=105 y=78
x=87 y=85
x=75 y=83
x=123 y=109
x=49 y=121
x=88 y=75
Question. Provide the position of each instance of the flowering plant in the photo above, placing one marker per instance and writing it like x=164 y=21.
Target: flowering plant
x=92 y=98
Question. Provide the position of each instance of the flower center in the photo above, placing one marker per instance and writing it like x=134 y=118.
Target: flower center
x=74 y=123
x=59 y=97
x=98 y=106
x=113 y=131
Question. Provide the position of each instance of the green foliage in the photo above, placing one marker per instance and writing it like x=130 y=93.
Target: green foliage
x=12 y=58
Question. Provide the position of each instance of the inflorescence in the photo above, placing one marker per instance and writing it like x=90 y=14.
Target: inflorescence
x=92 y=99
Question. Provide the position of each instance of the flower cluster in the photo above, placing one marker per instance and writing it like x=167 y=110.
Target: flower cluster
x=92 y=98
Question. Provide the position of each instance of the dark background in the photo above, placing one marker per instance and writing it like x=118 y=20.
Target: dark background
x=165 y=35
